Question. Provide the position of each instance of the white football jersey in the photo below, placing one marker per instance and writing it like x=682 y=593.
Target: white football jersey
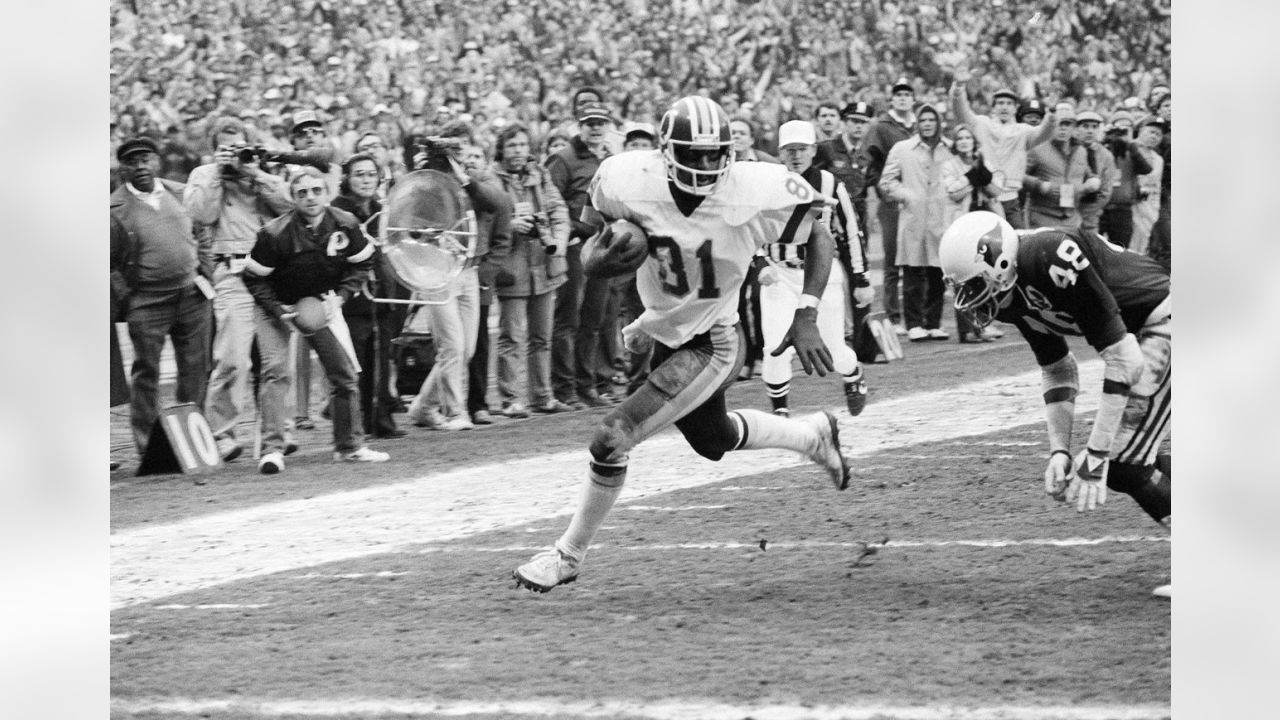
x=690 y=280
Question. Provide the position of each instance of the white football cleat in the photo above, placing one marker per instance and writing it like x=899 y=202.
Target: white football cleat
x=1164 y=591
x=826 y=450
x=546 y=570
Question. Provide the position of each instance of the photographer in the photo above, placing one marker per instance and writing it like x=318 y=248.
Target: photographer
x=1117 y=217
x=441 y=403
x=529 y=272
x=233 y=197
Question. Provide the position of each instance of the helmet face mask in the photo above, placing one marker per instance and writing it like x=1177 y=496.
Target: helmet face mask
x=696 y=145
x=977 y=300
x=979 y=259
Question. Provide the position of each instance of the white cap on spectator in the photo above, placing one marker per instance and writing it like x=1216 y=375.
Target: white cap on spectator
x=797 y=132
x=380 y=109
x=638 y=129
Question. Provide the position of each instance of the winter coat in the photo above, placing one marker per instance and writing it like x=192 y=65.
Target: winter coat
x=913 y=176
x=525 y=268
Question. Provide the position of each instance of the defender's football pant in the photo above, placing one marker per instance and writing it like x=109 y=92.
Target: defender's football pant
x=778 y=303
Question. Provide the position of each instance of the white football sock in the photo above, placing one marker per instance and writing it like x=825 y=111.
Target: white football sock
x=762 y=430
x=599 y=492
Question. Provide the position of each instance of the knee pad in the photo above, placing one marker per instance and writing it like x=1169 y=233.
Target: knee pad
x=611 y=443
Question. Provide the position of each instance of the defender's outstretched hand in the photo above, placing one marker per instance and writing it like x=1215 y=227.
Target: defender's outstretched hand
x=803 y=335
x=1088 y=488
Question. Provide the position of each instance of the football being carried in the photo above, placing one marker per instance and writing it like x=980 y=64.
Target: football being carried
x=622 y=248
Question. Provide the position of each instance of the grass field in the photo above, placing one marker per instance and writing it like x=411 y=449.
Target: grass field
x=942 y=584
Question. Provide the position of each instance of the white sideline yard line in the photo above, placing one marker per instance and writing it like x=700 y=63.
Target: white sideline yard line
x=213 y=606
x=773 y=546
x=661 y=508
x=620 y=709
x=153 y=562
x=816 y=545
x=956 y=456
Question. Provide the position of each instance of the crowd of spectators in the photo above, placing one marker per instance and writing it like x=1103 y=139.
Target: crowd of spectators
x=397 y=68
x=368 y=81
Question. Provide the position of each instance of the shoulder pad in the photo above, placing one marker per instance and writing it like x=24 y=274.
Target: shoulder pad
x=755 y=187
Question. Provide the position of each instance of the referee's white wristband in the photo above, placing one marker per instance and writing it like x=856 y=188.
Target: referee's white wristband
x=809 y=301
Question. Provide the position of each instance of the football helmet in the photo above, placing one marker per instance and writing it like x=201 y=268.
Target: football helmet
x=696 y=145
x=979 y=254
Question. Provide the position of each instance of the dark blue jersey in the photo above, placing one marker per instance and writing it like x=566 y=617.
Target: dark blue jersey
x=1072 y=282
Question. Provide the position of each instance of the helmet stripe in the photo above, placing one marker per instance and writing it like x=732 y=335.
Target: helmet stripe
x=698 y=112
x=703 y=118
x=691 y=110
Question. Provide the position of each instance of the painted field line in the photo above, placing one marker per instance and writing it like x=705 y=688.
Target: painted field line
x=212 y=606
x=956 y=456
x=661 y=508
x=814 y=545
x=346 y=576
x=620 y=709
x=995 y=443
x=157 y=561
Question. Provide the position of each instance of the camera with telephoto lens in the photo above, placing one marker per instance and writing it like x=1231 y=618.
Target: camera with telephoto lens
x=437 y=150
x=1117 y=141
x=244 y=154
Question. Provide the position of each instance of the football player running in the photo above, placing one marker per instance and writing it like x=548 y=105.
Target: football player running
x=1053 y=282
x=705 y=217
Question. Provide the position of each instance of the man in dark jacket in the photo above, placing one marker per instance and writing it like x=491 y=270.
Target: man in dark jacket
x=842 y=156
x=580 y=305
x=893 y=126
x=314 y=254
x=160 y=275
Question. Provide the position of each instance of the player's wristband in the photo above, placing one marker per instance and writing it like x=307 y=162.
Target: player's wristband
x=1060 y=450
x=809 y=301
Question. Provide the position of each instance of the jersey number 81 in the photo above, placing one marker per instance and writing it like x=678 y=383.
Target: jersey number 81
x=671 y=268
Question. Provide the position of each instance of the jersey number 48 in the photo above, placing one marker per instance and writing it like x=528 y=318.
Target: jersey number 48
x=1071 y=254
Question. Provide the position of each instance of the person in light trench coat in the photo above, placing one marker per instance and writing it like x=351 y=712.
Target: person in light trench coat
x=914 y=177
